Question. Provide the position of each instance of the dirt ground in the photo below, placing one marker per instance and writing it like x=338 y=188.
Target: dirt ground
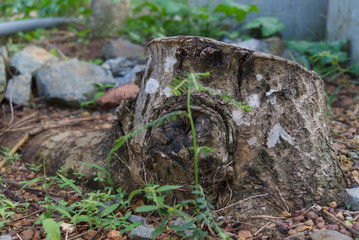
x=343 y=118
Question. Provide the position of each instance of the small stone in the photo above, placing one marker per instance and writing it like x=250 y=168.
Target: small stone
x=282 y=228
x=299 y=219
x=27 y=234
x=31 y=176
x=333 y=227
x=37 y=235
x=106 y=126
x=349 y=224
x=114 y=235
x=333 y=204
x=356 y=226
x=354 y=156
x=286 y=214
x=19 y=89
x=320 y=225
x=141 y=233
x=328 y=235
x=346 y=232
x=3 y=170
x=135 y=218
x=318 y=220
x=292 y=232
x=309 y=223
x=340 y=216
x=301 y=228
x=352 y=130
x=244 y=234
x=311 y=215
x=89 y=233
x=113 y=97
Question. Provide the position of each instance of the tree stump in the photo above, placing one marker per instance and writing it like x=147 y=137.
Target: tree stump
x=281 y=150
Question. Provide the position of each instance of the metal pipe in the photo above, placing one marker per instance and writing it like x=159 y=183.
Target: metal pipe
x=7 y=28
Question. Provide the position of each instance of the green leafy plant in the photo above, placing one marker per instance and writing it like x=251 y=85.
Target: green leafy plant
x=100 y=90
x=328 y=59
x=44 y=8
x=264 y=27
x=52 y=229
x=157 y=18
x=10 y=157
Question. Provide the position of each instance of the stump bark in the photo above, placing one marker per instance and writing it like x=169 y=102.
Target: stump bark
x=281 y=148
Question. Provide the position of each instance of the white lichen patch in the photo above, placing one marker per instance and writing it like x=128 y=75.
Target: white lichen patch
x=152 y=85
x=252 y=141
x=254 y=101
x=259 y=77
x=276 y=133
x=239 y=118
x=271 y=99
x=167 y=92
x=169 y=63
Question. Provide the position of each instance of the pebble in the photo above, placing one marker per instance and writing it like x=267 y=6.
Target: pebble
x=299 y=219
x=3 y=170
x=292 y=232
x=309 y=223
x=311 y=215
x=320 y=225
x=301 y=228
x=89 y=234
x=285 y=214
x=244 y=234
x=334 y=227
x=349 y=224
x=37 y=235
x=346 y=232
x=340 y=216
x=318 y=220
x=356 y=226
x=27 y=234
x=114 y=235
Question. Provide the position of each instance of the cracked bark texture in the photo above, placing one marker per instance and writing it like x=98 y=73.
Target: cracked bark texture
x=282 y=147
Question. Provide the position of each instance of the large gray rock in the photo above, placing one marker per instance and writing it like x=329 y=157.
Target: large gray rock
x=71 y=81
x=121 y=66
x=351 y=197
x=328 y=235
x=130 y=77
x=142 y=233
x=122 y=48
x=30 y=59
x=3 y=67
x=273 y=45
x=19 y=89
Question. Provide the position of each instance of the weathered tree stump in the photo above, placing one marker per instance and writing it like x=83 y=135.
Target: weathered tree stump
x=282 y=147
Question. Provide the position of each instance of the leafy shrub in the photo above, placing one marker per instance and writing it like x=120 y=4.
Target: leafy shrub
x=264 y=27
x=158 y=18
x=45 y=8
x=328 y=59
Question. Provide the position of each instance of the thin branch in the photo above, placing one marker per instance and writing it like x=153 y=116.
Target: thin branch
x=241 y=201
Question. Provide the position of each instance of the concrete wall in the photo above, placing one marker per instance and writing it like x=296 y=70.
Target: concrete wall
x=343 y=23
x=304 y=19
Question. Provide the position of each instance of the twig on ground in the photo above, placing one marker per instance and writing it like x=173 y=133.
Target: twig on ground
x=25 y=217
x=335 y=219
x=14 y=149
x=241 y=201
x=262 y=228
x=93 y=237
x=79 y=235
x=281 y=197
x=19 y=185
